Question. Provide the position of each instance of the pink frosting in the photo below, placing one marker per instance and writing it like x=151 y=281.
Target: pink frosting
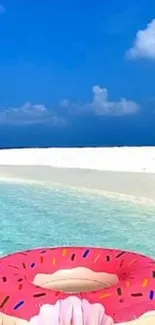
x=72 y=311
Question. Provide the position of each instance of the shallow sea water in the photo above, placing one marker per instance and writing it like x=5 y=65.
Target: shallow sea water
x=32 y=215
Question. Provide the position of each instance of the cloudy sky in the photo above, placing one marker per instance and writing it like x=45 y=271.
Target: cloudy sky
x=77 y=73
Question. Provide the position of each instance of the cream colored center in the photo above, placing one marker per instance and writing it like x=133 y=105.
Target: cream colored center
x=79 y=279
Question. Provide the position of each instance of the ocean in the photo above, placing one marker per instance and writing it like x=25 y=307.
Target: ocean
x=34 y=215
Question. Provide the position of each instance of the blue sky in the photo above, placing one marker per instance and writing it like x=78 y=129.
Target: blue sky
x=77 y=73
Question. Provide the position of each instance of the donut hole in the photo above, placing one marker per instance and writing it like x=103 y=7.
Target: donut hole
x=76 y=280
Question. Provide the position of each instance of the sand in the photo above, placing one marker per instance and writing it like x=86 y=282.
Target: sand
x=127 y=159
x=128 y=171
x=138 y=185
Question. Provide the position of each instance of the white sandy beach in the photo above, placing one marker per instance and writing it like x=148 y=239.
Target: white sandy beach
x=128 y=171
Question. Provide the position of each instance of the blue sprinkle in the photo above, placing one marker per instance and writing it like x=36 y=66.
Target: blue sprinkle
x=19 y=305
x=33 y=264
x=151 y=295
x=86 y=253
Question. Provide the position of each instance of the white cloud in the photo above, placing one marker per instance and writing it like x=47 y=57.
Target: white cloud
x=144 y=44
x=39 y=114
x=2 y=9
x=101 y=105
x=29 y=114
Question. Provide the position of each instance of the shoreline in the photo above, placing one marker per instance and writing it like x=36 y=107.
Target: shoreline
x=130 y=185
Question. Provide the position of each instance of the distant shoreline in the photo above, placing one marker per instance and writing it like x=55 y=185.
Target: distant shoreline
x=138 y=185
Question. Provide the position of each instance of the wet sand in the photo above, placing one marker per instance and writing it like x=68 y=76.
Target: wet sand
x=127 y=183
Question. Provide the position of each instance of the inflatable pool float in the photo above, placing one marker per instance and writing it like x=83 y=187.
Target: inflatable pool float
x=77 y=286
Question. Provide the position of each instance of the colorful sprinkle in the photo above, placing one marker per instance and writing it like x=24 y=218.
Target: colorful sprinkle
x=121 y=264
x=85 y=254
x=151 y=295
x=141 y=255
x=14 y=266
x=43 y=252
x=120 y=254
x=24 y=265
x=138 y=294
x=64 y=252
x=33 y=265
x=54 y=261
x=4 y=302
x=18 y=305
x=105 y=295
x=119 y=291
x=72 y=257
x=4 y=279
x=20 y=286
x=41 y=259
x=37 y=295
x=96 y=258
x=153 y=274
x=20 y=279
x=108 y=258
x=145 y=283
x=128 y=284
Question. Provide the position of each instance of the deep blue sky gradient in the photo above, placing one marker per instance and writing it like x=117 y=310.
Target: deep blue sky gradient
x=53 y=50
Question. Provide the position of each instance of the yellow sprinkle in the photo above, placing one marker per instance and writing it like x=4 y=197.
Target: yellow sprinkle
x=128 y=284
x=54 y=261
x=96 y=258
x=105 y=295
x=145 y=283
x=64 y=252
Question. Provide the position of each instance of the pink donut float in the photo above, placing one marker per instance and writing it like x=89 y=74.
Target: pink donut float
x=118 y=285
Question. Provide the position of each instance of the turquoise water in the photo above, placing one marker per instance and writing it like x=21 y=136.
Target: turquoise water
x=33 y=215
